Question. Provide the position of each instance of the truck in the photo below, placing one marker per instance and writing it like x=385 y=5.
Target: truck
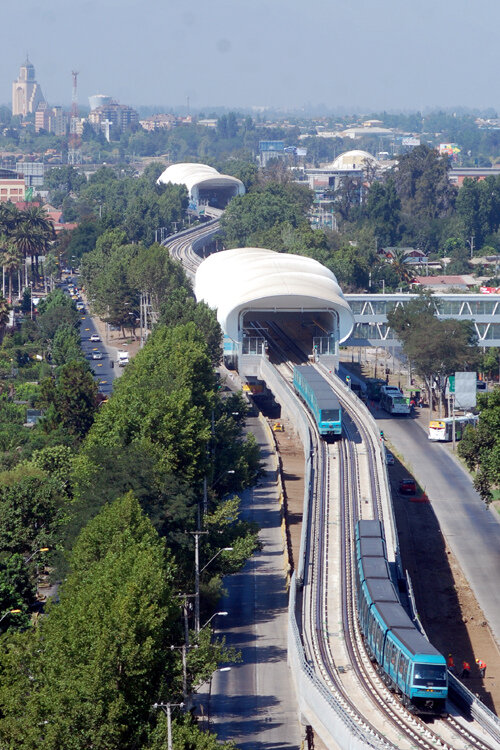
x=122 y=359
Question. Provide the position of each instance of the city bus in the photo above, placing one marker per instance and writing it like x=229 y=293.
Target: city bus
x=442 y=429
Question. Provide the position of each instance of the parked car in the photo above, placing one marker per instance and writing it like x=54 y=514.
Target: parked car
x=408 y=486
x=95 y=337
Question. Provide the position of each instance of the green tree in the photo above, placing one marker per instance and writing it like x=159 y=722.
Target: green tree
x=70 y=399
x=17 y=590
x=480 y=446
x=32 y=509
x=91 y=671
x=436 y=348
x=154 y=272
x=383 y=209
x=421 y=180
x=180 y=307
x=66 y=345
x=11 y=261
x=164 y=398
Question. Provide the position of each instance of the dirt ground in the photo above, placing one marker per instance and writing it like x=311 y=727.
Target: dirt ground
x=446 y=604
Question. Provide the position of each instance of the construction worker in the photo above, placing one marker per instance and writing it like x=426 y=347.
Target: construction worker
x=481 y=666
x=465 y=670
x=450 y=663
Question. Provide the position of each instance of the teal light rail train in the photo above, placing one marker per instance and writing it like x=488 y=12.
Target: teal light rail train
x=320 y=399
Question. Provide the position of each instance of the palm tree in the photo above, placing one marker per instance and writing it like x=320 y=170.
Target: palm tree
x=33 y=234
x=9 y=218
x=11 y=261
x=400 y=265
x=4 y=316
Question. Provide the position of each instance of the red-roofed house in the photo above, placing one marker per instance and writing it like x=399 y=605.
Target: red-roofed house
x=443 y=283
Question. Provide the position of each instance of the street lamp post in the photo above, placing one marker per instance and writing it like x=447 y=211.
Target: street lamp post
x=30 y=558
x=196 y=535
x=166 y=708
x=197 y=572
x=215 y=614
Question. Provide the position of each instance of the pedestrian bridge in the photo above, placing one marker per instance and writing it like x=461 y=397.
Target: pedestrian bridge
x=370 y=316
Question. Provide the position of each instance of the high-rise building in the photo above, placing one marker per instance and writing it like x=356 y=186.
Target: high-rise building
x=26 y=92
x=57 y=121
x=118 y=116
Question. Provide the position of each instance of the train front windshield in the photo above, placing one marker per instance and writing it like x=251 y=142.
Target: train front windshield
x=330 y=415
x=429 y=675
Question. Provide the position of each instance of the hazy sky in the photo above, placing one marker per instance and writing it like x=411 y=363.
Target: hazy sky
x=349 y=54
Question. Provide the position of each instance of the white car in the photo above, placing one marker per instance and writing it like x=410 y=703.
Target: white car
x=95 y=337
x=96 y=355
x=389 y=458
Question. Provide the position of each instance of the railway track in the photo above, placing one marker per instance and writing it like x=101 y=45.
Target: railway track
x=182 y=246
x=386 y=709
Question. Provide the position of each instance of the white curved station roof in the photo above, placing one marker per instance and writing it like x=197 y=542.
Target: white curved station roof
x=353 y=159
x=199 y=176
x=251 y=278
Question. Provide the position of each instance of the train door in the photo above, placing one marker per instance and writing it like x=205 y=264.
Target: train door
x=403 y=672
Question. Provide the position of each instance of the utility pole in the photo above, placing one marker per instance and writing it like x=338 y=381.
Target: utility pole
x=196 y=535
x=166 y=708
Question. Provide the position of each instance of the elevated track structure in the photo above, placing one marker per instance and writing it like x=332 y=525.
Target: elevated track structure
x=340 y=693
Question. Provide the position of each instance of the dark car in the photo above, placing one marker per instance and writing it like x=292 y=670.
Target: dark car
x=408 y=486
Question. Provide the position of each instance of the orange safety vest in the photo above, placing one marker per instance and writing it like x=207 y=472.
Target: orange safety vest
x=450 y=663
x=466 y=666
x=481 y=664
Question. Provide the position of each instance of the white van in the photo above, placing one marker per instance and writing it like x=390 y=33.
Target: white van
x=122 y=359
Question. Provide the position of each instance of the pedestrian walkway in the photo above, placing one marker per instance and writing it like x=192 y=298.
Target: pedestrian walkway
x=254 y=704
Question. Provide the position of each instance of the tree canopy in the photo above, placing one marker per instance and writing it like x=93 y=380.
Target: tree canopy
x=480 y=446
x=435 y=347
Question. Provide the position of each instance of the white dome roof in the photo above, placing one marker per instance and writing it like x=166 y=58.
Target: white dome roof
x=351 y=159
x=195 y=176
x=251 y=278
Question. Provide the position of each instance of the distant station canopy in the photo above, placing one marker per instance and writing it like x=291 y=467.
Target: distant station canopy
x=203 y=183
x=253 y=286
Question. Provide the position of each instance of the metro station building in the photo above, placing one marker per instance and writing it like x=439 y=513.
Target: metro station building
x=204 y=184
x=255 y=290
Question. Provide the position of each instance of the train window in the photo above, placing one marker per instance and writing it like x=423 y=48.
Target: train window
x=402 y=667
x=380 y=638
x=388 y=652
x=330 y=415
x=394 y=654
x=430 y=675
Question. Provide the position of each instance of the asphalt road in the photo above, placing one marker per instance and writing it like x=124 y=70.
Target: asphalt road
x=254 y=704
x=104 y=373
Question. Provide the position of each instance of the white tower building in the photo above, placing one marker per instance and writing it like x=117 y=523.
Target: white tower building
x=26 y=92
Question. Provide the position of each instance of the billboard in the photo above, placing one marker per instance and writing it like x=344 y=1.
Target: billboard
x=271 y=145
x=410 y=141
x=448 y=149
x=465 y=390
